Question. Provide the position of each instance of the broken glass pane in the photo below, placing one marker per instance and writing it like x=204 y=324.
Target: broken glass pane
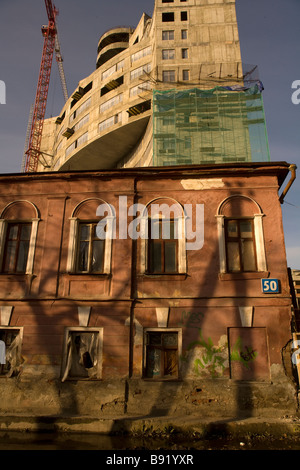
x=153 y=362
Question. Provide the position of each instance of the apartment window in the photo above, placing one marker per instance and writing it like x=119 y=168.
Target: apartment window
x=240 y=245
x=183 y=16
x=10 y=351
x=168 y=54
x=140 y=71
x=138 y=89
x=16 y=247
x=90 y=250
x=82 y=358
x=107 y=73
x=82 y=122
x=110 y=103
x=184 y=34
x=184 y=53
x=161 y=354
x=163 y=249
x=140 y=54
x=168 y=76
x=80 y=109
x=241 y=236
x=185 y=75
x=168 y=35
x=167 y=1
x=163 y=246
x=110 y=122
x=90 y=241
x=167 y=17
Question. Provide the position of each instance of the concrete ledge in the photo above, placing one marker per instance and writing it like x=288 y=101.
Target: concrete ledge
x=155 y=426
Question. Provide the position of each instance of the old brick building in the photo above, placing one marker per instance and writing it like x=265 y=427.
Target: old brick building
x=136 y=321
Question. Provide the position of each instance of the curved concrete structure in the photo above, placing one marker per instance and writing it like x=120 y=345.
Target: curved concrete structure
x=107 y=121
x=112 y=43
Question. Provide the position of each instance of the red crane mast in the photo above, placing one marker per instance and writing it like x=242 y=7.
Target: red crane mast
x=50 y=39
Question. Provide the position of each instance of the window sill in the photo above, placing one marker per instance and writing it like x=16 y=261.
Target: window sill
x=243 y=276
x=164 y=277
x=89 y=275
x=161 y=379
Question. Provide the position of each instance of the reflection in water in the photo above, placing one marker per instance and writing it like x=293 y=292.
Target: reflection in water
x=68 y=441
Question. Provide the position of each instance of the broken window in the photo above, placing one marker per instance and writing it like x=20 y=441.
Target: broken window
x=82 y=354
x=183 y=16
x=10 y=351
x=168 y=16
x=161 y=355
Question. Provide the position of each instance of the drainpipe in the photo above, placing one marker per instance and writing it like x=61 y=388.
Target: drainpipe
x=292 y=169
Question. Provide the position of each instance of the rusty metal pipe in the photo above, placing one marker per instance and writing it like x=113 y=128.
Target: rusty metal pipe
x=292 y=169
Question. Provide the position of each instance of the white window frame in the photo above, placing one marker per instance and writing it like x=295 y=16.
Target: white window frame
x=64 y=366
x=33 y=236
x=74 y=236
x=180 y=220
x=20 y=329
x=258 y=236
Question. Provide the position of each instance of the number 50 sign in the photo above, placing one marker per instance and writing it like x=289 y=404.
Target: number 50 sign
x=270 y=286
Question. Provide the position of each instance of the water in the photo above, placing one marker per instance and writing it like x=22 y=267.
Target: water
x=72 y=441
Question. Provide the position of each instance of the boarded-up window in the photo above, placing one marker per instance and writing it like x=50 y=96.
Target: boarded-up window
x=249 y=355
x=11 y=342
x=161 y=355
x=82 y=359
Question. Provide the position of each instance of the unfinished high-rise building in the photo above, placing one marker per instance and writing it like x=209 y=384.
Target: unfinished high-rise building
x=172 y=91
x=143 y=266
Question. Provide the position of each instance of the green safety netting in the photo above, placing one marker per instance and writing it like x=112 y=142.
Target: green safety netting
x=221 y=125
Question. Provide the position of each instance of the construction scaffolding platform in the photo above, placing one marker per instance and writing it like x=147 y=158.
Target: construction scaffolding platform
x=195 y=126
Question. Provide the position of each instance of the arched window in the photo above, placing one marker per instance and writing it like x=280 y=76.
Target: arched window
x=163 y=249
x=18 y=231
x=240 y=232
x=90 y=241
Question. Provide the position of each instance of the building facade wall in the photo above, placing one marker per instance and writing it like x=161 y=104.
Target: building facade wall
x=221 y=331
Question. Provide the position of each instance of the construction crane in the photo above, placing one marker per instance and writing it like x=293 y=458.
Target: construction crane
x=51 y=44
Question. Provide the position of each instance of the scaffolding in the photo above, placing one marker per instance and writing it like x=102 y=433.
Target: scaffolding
x=220 y=125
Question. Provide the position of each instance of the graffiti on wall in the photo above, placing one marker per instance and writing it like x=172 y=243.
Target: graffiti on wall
x=203 y=358
x=190 y=319
x=243 y=354
x=206 y=359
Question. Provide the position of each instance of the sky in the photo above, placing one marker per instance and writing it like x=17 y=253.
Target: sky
x=269 y=35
